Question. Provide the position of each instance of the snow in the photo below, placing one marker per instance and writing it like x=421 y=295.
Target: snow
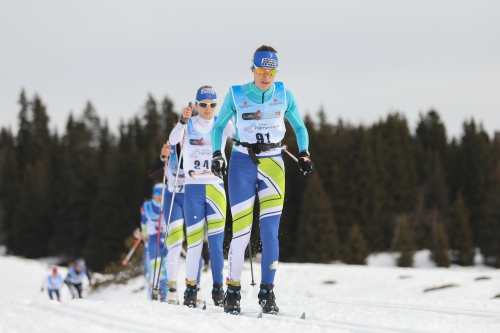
x=336 y=298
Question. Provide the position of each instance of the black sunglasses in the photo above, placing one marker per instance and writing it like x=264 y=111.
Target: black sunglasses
x=204 y=105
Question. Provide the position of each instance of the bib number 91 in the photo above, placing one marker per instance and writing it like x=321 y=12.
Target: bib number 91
x=261 y=137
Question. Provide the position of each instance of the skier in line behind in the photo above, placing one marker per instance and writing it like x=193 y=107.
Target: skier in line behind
x=205 y=197
x=145 y=255
x=53 y=282
x=168 y=158
x=150 y=214
x=259 y=108
x=74 y=279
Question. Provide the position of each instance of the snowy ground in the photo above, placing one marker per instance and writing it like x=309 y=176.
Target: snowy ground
x=336 y=298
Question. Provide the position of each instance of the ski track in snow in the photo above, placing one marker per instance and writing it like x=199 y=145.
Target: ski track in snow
x=371 y=299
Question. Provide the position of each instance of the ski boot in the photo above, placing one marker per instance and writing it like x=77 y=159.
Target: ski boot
x=199 y=298
x=218 y=294
x=190 y=296
x=267 y=300
x=172 y=296
x=232 y=300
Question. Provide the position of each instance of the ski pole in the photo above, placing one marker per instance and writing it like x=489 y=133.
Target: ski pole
x=154 y=291
x=171 y=203
x=284 y=148
x=132 y=250
x=250 y=255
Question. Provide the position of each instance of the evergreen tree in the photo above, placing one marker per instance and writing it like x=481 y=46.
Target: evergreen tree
x=431 y=133
x=30 y=221
x=441 y=247
x=460 y=235
x=396 y=165
x=317 y=231
x=168 y=117
x=9 y=184
x=109 y=224
x=355 y=249
x=80 y=178
x=405 y=243
x=479 y=182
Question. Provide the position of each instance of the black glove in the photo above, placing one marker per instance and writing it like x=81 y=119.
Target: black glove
x=218 y=165
x=305 y=163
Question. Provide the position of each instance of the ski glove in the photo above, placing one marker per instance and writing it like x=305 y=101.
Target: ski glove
x=305 y=163
x=218 y=165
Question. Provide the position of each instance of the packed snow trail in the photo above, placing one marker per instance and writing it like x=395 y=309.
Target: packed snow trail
x=335 y=298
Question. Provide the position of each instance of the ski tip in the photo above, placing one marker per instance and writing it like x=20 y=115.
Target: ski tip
x=303 y=315
x=260 y=315
x=204 y=307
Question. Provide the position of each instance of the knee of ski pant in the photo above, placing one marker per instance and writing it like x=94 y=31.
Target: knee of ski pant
x=269 y=232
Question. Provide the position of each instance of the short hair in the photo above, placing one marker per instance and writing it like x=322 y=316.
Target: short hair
x=266 y=48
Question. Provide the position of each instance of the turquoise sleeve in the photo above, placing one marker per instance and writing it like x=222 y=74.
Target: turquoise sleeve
x=293 y=115
x=227 y=110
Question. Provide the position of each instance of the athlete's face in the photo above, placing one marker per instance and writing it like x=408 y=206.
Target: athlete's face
x=263 y=82
x=206 y=108
x=157 y=198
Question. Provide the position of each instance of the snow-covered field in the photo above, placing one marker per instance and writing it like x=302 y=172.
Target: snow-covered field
x=336 y=298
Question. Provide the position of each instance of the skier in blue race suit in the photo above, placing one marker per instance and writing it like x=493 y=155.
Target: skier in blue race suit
x=74 y=279
x=256 y=167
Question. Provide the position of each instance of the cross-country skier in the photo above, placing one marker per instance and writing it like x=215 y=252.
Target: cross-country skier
x=169 y=155
x=77 y=272
x=205 y=197
x=259 y=109
x=53 y=282
x=150 y=214
x=138 y=234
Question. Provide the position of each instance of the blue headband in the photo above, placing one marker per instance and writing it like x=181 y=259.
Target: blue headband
x=158 y=189
x=205 y=93
x=265 y=59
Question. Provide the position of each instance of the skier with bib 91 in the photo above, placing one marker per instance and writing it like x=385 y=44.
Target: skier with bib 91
x=205 y=197
x=256 y=165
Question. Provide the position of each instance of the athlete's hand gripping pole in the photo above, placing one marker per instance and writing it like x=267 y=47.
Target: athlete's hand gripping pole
x=172 y=201
x=155 y=292
x=304 y=162
x=132 y=250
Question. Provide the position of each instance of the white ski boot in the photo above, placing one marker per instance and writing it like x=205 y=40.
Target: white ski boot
x=172 y=297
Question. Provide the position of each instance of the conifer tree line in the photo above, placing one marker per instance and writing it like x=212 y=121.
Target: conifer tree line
x=376 y=188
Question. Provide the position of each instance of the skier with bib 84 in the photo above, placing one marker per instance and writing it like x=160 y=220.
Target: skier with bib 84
x=205 y=197
x=259 y=109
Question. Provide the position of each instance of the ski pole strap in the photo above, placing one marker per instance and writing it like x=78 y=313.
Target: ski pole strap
x=257 y=148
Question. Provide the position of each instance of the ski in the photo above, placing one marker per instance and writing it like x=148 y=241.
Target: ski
x=303 y=316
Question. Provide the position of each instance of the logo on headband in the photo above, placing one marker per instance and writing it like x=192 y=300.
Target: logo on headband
x=267 y=62
x=207 y=91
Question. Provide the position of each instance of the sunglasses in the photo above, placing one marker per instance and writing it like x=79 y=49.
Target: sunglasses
x=262 y=71
x=204 y=105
